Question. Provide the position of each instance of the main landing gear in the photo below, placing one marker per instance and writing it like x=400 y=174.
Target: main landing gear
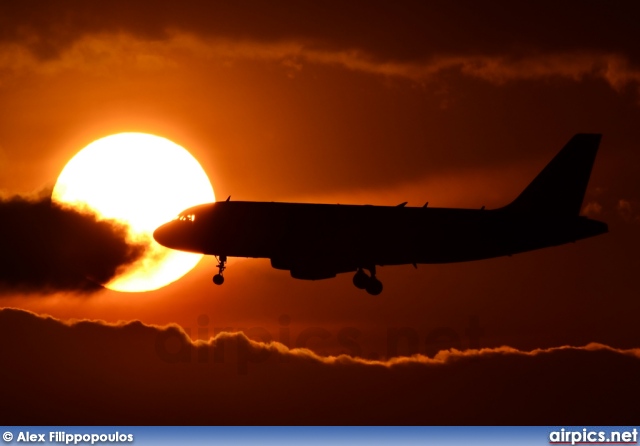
x=369 y=283
x=218 y=279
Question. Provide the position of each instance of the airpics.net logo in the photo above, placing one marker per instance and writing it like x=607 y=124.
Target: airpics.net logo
x=589 y=436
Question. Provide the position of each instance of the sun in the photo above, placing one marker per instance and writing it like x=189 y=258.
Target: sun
x=141 y=180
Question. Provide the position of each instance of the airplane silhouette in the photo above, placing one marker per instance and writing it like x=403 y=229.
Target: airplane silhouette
x=318 y=241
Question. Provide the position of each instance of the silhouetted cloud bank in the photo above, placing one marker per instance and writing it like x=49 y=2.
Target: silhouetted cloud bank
x=90 y=372
x=408 y=30
x=47 y=248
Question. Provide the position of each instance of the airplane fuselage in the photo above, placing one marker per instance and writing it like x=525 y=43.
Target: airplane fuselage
x=318 y=241
x=321 y=240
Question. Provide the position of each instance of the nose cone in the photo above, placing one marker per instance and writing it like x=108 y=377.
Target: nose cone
x=165 y=235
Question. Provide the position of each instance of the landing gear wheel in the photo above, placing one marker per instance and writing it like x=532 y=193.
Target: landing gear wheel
x=367 y=282
x=374 y=286
x=360 y=279
x=218 y=279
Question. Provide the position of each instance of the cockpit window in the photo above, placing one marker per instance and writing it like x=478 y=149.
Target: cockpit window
x=187 y=217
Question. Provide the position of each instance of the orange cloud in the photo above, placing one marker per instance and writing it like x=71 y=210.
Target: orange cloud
x=628 y=210
x=90 y=372
x=46 y=248
x=105 y=52
x=592 y=208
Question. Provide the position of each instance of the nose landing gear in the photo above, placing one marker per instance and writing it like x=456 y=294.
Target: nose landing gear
x=369 y=283
x=218 y=279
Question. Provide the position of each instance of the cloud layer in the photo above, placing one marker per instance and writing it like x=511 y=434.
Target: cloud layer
x=414 y=40
x=402 y=31
x=90 y=372
x=45 y=248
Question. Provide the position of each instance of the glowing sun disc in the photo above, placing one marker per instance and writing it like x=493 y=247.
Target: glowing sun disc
x=142 y=180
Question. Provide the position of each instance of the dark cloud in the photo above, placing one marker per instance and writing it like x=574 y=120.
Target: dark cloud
x=47 y=248
x=399 y=31
x=92 y=373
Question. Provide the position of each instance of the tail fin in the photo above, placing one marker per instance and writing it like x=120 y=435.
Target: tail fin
x=559 y=189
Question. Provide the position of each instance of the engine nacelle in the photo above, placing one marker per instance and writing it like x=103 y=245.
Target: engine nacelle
x=306 y=273
x=280 y=263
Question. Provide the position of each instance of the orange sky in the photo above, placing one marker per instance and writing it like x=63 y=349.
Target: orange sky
x=456 y=104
